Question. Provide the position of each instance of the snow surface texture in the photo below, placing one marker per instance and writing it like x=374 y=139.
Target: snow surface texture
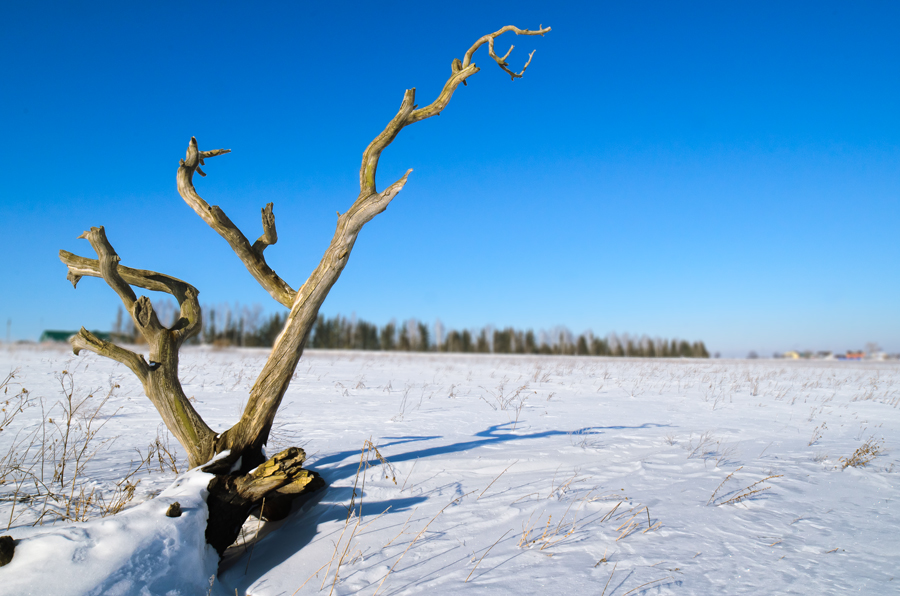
x=521 y=474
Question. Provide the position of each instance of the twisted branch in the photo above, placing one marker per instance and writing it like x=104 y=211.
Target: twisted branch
x=149 y=280
x=108 y=262
x=159 y=376
x=489 y=39
x=121 y=278
x=251 y=256
x=408 y=114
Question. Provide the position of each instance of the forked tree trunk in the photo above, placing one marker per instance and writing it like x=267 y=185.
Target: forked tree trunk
x=245 y=479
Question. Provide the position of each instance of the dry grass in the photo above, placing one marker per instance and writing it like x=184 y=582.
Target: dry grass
x=485 y=554
x=864 y=454
x=46 y=474
x=736 y=496
x=348 y=553
x=727 y=478
x=496 y=478
x=512 y=402
x=817 y=434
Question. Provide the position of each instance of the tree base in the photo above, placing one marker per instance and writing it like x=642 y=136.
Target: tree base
x=272 y=487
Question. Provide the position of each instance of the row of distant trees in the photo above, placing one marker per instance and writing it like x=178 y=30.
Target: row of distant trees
x=225 y=325
x=414 y=336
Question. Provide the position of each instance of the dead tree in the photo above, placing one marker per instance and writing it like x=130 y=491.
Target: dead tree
x=235 y=491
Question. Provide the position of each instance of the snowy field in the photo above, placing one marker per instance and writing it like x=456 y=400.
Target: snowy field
x=514 y=474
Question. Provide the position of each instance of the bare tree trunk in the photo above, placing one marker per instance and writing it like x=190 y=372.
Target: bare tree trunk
x=244 y=478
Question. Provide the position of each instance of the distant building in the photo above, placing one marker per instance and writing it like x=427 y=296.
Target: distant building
x=63 y=336
x=793 y=354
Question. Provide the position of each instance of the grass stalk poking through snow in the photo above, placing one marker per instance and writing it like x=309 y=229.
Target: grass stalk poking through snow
x=609 y=580
x=495 y=479
x=368 y=452
x=713 y=497
x=749 y=491
x=484 y=555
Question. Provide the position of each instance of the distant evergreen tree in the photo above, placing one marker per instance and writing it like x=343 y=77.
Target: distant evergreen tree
x=503 y=341
x=518 y=341
x=466 y=340
x=630 y=348
x=482 y=346
x=699 y=350
x=423 y=340
x=269 y=330
x=530 y=343
x=365 y=337
x=599 y=347
x=582 y=349
x=388 y=333
x=453 y=342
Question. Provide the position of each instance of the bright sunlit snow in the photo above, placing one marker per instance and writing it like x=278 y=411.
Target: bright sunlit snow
x=514 y=474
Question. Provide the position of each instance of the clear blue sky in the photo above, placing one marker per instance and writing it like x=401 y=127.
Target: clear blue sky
x=725 y=171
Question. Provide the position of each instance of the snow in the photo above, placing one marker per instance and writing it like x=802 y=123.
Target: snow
x=138 y=551
x=517 y=474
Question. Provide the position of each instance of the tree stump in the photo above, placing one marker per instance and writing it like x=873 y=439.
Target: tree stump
x=272 y=486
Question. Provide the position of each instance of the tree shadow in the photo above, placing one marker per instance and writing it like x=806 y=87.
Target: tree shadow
x=301 y=526
x=493 y=434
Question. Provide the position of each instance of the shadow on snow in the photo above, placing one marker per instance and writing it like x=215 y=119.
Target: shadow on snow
x=299 y=528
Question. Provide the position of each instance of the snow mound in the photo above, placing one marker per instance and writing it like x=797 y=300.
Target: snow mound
x=137 y=552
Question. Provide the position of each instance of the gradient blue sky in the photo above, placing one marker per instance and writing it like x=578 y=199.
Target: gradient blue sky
x=725 y=171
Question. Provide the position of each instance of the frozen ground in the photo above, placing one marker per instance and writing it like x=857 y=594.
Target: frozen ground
x=527 y=475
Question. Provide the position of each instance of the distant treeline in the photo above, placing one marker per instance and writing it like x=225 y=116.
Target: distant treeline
x=242 y=326
x=414 y=336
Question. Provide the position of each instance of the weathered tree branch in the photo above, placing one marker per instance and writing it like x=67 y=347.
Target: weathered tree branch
x=214 y=216
x=489 y=39
x=85 y=340
x=149 y=280
x=160 y=376
x=408 y=113
x=108 y=262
